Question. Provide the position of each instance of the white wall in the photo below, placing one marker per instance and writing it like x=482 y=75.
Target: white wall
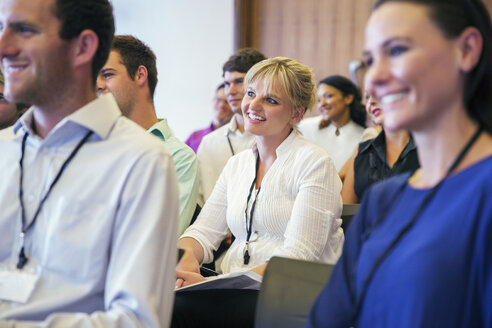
x=191 y=39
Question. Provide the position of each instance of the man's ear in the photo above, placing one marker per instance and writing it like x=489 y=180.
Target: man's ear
x=141 y=76
x=86 y=45
x=470 y=44
x=297 y=115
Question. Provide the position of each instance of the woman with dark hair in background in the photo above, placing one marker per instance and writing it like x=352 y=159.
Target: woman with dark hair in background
x=342 y=120
x=419 y=251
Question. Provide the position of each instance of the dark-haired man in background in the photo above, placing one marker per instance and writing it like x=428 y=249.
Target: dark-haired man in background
x=217 y=147
x=130 y=74
x=88 y=199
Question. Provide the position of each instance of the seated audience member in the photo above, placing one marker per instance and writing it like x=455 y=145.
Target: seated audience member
x=280 y=198
x=357 y=69
x=390 y=153
x=89 y=204
x=9 y=112
x=130 y=74
x=340 y=126
x=222 y=116
x=370 y=132
x=419 y=251
x=217 y=147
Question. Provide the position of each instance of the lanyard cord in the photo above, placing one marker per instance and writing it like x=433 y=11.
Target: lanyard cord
x=230 y=144
x=249 y=223
x=22 y=256
x=407 y=227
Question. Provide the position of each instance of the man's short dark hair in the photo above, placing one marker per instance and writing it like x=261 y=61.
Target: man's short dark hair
x=134 y=53
x=96 y=15
x=242 y=60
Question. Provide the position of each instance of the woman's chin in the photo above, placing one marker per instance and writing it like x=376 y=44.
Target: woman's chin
x=393 y=125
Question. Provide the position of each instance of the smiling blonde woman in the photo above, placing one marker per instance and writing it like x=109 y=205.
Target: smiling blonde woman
x=281 y=198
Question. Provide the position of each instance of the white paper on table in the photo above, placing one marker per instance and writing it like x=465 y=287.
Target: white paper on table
x=233 y=280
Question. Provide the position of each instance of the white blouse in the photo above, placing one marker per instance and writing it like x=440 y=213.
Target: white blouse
x=297 y=211
x=340 y=147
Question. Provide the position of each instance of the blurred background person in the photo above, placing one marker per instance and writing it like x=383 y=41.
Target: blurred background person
x=222 y=116
x=357 y=69
x=9 y=112
x=340 y=126
x=217 y=147
x=130 y=74
x=390 y=153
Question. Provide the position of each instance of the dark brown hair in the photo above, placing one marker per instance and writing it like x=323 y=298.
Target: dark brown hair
x=134 y=53
x=96 y=15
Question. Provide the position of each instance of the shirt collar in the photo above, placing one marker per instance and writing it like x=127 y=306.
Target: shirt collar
x=99 y=115
x=285 y=145
x=161 y=127
x=409 y=147
x=379 y=145
x=378 y=141
x=233 y=125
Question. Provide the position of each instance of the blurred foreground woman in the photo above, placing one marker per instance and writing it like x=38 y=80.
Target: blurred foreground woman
x=419 y=252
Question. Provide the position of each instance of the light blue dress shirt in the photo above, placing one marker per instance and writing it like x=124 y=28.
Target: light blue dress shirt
x=104 y=243
x=187 y=169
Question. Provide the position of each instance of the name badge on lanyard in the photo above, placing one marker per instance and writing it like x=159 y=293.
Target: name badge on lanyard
x=16 y=285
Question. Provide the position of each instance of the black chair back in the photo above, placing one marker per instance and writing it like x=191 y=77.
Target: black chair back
x=288 y=291
x=348 y=213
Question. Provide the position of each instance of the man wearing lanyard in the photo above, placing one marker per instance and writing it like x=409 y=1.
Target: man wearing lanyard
x=89 y=203
x=217 y=147
x=130 y=74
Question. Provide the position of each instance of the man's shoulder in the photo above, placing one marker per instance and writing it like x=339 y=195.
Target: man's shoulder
x=132 y=137
x=211 y=140
x=7 y=134
x=217 y=133
x=176 y=147
x=179 y=148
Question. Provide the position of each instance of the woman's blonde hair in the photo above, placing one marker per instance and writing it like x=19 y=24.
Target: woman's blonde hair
x=296 y=80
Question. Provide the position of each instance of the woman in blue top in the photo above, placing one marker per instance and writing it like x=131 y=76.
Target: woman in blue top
x=419 y=252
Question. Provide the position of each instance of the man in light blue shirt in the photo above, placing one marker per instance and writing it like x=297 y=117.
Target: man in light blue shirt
x=130 y=74
x=89 y=202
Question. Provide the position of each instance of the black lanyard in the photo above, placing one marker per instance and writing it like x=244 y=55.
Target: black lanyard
x=406 y=228
x=230 y=144
x=22 y=256
x=249 y=223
